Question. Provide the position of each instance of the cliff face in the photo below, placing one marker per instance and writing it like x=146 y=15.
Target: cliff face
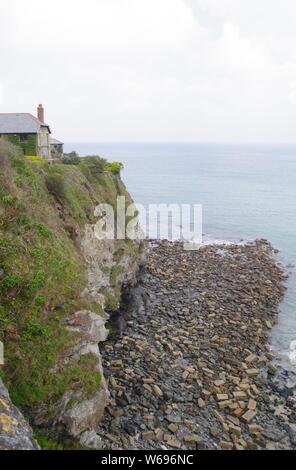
x=58 y=284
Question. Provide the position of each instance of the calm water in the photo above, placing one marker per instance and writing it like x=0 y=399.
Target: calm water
x=246 y=191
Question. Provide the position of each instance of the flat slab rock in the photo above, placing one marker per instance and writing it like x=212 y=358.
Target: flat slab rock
x=15 y=432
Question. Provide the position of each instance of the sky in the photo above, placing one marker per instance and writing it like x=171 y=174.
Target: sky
x=153 y=70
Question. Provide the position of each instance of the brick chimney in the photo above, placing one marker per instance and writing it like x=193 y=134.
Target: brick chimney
x=40 y=113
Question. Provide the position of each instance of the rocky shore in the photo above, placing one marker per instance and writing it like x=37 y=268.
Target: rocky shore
x=188 y=362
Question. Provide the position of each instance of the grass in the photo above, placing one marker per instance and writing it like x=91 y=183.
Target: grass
x=116 y=270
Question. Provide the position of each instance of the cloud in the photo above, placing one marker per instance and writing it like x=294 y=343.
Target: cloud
x=159 y=70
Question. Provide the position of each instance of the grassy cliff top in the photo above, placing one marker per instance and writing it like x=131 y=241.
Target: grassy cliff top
x=42 y=209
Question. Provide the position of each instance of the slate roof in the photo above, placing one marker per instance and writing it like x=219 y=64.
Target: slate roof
x=20 y=123
x=56 y=141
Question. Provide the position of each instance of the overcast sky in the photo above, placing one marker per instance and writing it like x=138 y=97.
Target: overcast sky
x=153 y=70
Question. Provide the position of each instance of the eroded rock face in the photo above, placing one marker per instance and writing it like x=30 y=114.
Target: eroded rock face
x=100 y=257
x=81 y=419
x=15 y=433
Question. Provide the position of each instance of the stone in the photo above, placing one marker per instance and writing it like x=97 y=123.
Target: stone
x=92 y=326
x=148 y=435
x=185 y=375
x=255 y=428
x=175 y=444
x=225 y=404
x=91 y=440
x=148 y=388
x=244 y=386
x=148 y=381
x=249 y=416
x=234 y=429
x=159 y=434
x=226 y=445
x=173 y=427
x=291 y=429
x=218 y=417
x=111 y=438
x=272 y=369
x=233 y=420
x=252 y=404
x=192 y=439
x=219 y=383
x=238 y=412
x=240 y=395
x=176 y=419
x=251 y=358
x=222 y=397
x=116 y=413
x=255 y=389
x=201 y=403
x=205 y=394
x=252 y=372
x=214 y=432
x=157 y=390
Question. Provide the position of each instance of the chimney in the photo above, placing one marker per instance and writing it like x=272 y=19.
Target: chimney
x=40 y=113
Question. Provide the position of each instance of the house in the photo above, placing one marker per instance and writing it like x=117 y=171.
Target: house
x=31 y=133
x=56 y=148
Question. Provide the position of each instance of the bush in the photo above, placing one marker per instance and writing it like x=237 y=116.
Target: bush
x=35 y=158
x=7 y=150
x=93 y=165
x=115 y=167
x=71 y=158
x=55 y=185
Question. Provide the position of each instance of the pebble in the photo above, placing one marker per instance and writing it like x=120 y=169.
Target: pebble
x=249 y=416
x=191 y=363
x=173 y=427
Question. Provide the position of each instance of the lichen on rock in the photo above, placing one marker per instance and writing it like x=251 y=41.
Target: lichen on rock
x=15 y=433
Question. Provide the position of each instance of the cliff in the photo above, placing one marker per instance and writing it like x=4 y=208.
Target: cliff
x=58 y=285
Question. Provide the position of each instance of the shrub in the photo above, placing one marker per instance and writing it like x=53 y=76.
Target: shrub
x=94 y=165
x=115 y=167
x=71 y=158
x=7 y=150
x=35 y=158
x=55 y=185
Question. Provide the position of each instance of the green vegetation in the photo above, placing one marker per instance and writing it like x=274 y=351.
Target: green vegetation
x=34 y=158
x=55 y=185
x=112 y=299
x=71 y=158
x=115 y=167
x=29 y=147
x=116 y=270
x=42 y=207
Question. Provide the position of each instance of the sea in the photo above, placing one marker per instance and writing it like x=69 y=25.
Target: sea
x=246 y=192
